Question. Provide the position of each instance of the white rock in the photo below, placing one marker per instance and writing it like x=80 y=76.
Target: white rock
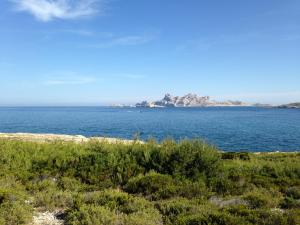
x=46 y=218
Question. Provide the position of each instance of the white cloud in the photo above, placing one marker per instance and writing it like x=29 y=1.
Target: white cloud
x=47 y=10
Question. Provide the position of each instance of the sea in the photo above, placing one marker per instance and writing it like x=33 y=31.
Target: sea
x=227 y=128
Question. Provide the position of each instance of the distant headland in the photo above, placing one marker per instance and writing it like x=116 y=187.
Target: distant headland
x=189 y=100
x=295 y=105
x=194 y=100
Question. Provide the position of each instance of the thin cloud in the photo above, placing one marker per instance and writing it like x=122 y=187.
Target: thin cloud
x=222 y=40
x=47 y=10
x=265 y=97
x=126 y=41
x=132 y=76
x=75 y=80
x=78 y=32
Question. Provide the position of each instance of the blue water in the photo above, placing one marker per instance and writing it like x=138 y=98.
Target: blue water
x=230 y=129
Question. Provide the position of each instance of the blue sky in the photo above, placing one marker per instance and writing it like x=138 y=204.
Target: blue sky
x=95 y=52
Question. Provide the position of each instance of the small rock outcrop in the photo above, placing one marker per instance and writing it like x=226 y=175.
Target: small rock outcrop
x=189 y=100
x=220 y=202
x=47 y=218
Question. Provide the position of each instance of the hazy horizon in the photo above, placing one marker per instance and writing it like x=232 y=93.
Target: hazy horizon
x=104 y=52
x=131 y=103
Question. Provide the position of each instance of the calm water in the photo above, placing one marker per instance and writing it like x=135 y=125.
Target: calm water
x=253 y=129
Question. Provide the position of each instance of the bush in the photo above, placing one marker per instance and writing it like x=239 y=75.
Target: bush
x=173 y=209
x=70 y=184
x=261 y=198
x=181 y=211
x=152 y=185
x=12 y=213
x=203 y=159
x=216 y=218
x=53 y=199
x=92 y=215
x=293 y=217
x=293 y=192
x=13 y=209
x=126 y=209
x=262 y=216
x=189 y=159
x=99 y=215
x=236 y=155
x=290 y=203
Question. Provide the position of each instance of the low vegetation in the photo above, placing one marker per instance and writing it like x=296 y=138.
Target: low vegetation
x=186 y=183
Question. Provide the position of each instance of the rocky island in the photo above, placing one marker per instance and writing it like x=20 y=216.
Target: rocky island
x=290 y=106
x=189 y=100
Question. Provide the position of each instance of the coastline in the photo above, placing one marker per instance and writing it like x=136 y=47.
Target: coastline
x=39 y=137
x=48 y=137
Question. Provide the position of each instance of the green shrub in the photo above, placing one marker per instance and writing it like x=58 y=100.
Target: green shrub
x=125 y=208
x=70 y=184
x=148 y=217
x=222 y=185
x=99 y=215
x=53 y=199
x=270 y=171
x=236 y=155
x=92 y=215
x=293 y=217
x=13 y=209
x=261 y=198
x=12 y=213
x=172 y=209
x=293 y=192
x=203 y=159
x=181 y=211
x=153 y=185
x=39 y=184
x=216 y=218
x=290 y=203
x=261 y=216
x=178 y=178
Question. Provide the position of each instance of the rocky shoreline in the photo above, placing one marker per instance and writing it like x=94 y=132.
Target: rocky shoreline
x=61 y=137
x=44 y=138
x=290 y=106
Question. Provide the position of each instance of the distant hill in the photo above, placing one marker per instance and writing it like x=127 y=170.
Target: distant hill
x=189 y=100
x=295 y=105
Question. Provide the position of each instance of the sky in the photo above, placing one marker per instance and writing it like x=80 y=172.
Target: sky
x=102 y=52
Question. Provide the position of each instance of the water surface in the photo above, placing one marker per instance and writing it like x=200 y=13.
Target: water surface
x=229 y=128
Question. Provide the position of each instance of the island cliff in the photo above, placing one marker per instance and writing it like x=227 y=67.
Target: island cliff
x=189 y=100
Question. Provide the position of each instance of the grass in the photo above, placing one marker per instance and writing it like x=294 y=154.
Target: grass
x=168 y=183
